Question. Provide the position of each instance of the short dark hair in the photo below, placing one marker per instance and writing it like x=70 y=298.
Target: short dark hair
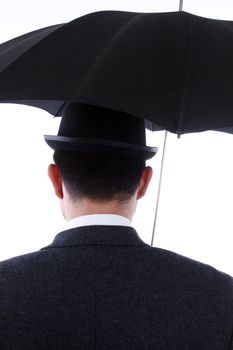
x=100 y=177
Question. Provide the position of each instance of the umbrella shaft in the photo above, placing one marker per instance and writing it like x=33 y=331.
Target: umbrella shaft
x=181 y=5
x=159 y=189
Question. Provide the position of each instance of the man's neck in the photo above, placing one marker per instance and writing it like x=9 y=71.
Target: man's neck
x=83 y=207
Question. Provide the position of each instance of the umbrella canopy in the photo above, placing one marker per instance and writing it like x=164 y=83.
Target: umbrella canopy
x=173 y=69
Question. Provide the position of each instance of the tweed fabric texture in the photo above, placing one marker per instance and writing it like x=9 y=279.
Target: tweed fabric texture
x=102 y=287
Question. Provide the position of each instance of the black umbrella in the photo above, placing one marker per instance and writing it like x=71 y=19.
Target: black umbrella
x=174 y=69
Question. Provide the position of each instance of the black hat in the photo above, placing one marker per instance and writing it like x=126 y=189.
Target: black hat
x=97 y=129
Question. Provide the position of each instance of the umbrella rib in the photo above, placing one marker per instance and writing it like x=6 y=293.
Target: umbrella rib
x=26 y=39
x=162 y=166
x=182 y=97
x=105 y=50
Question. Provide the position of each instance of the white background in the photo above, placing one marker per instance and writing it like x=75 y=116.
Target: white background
x=195 y=214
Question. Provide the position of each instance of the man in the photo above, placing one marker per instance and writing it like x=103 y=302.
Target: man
x=98 y=285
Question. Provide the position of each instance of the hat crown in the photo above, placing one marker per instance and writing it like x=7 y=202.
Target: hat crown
x=86 y=128
x=85 y=121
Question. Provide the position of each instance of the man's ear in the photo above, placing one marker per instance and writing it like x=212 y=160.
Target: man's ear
x=144 y=182
x=56 y=179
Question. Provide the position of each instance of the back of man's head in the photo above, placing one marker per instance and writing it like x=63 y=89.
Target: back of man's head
x=99 y=177
x=100 y=153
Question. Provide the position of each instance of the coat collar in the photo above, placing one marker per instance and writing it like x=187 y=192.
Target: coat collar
x=97 y=235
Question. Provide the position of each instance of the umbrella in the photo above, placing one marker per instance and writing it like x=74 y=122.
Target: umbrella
x=173 y=69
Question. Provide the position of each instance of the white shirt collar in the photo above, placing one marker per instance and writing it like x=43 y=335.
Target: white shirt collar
x=98 y=219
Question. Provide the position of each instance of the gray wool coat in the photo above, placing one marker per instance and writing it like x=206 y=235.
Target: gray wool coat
x=102 y=287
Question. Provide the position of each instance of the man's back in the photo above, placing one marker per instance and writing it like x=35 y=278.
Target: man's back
x=101 y=287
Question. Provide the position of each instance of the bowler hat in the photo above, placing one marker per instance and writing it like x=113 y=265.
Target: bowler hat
x=97 y=129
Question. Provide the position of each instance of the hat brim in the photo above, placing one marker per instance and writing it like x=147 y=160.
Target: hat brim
x=100 y=146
